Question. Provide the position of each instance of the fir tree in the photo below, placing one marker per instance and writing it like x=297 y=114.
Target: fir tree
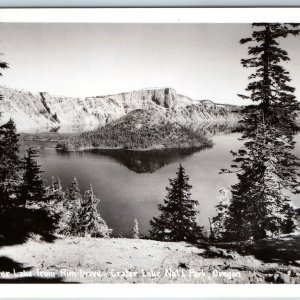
x=73 y=206
x=10 y=164
x=37 y=216
x=91 y=223
x=55 y=205
x=135 y=230
x=3 y=65
x=9 y=160
x=33 y=192
x=217 y=224
x=12 y=217
x=267 y=168
x=17 y=221
x=178 y=218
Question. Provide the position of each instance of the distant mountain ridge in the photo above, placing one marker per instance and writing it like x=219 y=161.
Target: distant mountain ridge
x=33 y=112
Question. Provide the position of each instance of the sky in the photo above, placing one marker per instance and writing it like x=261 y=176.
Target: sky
x=201 y=61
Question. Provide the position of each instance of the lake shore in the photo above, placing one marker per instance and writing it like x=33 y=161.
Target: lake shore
x=119 y=260
x=81 y=149
x=63 y=139
x=158 y=148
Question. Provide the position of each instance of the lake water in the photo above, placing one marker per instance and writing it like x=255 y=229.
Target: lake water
x=131 y=184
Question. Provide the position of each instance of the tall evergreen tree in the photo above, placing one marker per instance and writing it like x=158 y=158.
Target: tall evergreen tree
x=33 y=192
x=9 y=161
x=267 y=168
x=37 y=216
x=91 y=223
x=3 y=65
x=73 y=195
x=12 y=217
x=10 y=164
x=73 y=206
x=55 y=199
x=178 y=218
x=217 y=224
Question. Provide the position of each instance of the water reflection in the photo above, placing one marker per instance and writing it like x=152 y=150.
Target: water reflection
x=211 y=129
x=147 y=161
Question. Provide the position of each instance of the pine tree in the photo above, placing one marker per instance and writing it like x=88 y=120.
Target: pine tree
x=9 y=160
x=17 y=221
x=267 y=168
x=217 y=223
x=135 y=230
x=73 y=195
x=73 y=206
x=12 y=217
x=55 y=200
x=178 y=218
x=91 y=223
x=37 y=216
x=3 y=65
x=33 y=192
x=10 y=164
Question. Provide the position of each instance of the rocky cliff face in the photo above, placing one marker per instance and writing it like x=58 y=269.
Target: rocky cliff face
x=43 y=112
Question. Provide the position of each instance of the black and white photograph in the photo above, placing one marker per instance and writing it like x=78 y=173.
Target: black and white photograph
x=150 y=152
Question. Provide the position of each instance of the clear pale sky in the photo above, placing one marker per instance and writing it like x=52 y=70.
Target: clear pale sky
x=201 y=61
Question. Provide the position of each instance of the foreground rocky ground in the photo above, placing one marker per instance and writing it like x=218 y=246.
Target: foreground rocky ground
x=90 y=260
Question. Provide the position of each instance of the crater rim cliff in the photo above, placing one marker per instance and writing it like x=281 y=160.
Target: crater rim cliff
x=33 y=112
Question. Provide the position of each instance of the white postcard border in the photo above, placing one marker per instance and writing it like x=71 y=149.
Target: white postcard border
x=149 y=15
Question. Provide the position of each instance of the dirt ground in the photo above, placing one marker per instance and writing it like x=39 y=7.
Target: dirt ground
x=118 y=260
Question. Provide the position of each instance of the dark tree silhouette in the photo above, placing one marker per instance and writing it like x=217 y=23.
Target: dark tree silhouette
x=266 y=165
x=3 y=65
x=33 y=191
x=10 y=164
x=11 y=229
x=24 y=210
x=38 y=215
x=178 y=218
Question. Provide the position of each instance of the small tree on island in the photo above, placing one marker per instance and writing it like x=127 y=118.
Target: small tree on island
x=135 y=230
x=90 y=222
x=178 y=218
